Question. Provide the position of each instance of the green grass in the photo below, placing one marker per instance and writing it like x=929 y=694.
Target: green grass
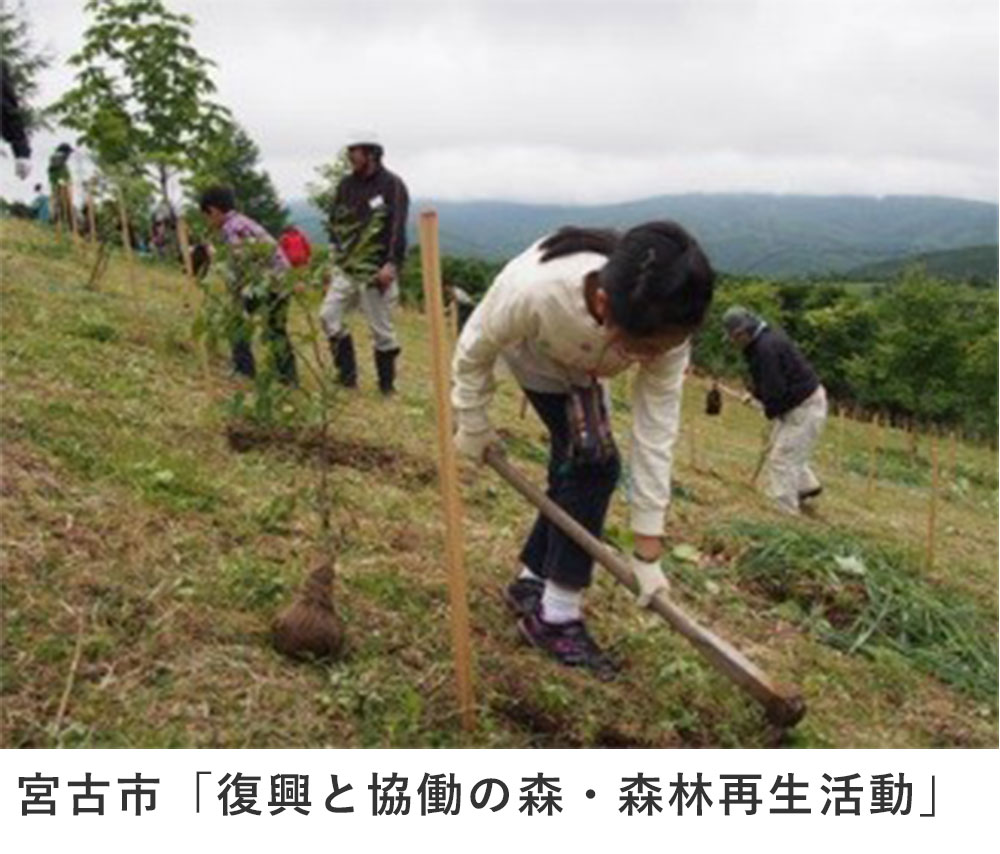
x=130 y=524
x=856 y=595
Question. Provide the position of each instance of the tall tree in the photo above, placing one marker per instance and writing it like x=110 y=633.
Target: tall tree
x=142 y=93
x=24 y=60
x=232 y=158
x=915 y=354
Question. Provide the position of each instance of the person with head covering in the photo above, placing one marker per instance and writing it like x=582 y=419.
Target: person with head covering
x=59 y=179
x=40 y=205
x=367 y=225
x=793 y=399
x=218 y=204
x=577 y=307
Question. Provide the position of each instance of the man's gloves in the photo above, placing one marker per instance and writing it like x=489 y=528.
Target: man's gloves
x=649 y=575
x=22 y=167
x=473 y=445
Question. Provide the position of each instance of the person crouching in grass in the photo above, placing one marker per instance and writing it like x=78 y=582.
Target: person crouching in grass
x=218 y=204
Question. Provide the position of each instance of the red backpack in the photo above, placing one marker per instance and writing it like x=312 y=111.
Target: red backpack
x=296 y=247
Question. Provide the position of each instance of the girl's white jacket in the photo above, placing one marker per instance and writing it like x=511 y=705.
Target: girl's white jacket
x=536 y=317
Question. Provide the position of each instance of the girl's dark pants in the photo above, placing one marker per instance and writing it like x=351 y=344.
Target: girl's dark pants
x=275 y=333
x=582 y=490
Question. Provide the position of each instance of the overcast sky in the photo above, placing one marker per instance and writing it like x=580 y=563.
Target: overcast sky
x=602 y=101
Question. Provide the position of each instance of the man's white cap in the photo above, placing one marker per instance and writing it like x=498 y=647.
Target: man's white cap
x=363 y=137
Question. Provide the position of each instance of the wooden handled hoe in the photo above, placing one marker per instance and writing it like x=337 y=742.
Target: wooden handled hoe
x=783 y=705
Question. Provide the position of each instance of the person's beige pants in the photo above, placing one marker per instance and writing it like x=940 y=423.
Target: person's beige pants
x=345 y=294
x=792 y=439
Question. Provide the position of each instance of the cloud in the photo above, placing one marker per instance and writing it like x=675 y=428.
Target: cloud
x=571 y=101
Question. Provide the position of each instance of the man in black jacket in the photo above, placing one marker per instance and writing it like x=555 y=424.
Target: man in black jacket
x=368 y=235
x=793 y=399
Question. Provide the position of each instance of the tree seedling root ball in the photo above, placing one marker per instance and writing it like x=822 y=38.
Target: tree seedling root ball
x=309 y=627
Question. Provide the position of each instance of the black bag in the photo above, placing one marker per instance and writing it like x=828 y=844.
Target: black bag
x=713 y=402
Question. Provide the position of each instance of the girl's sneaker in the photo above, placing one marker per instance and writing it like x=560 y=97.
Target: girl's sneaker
x=569 y=643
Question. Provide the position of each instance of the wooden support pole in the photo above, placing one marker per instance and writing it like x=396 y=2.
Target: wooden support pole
x=126 y=236
x=58 y=201
x=447 y=467
x=185 y=247
x=872 y=455
x=91 y=218
x=953 y=461
x=840 y=440
x=932 y=504
x=126 y=232
x=71 y=211
x=184 y=244
x=693 y=439
x=767 y=445
x=65 y=213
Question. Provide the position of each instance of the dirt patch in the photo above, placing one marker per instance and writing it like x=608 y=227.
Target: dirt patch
x=391 y=463
x=23 y=471
x=550 y=730
x=406 y=538
x=543 y=727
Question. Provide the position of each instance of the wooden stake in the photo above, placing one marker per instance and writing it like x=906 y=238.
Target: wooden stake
x=126 y=232
x=953 y=462
x=447 y=468
x=185 y=246
x=872 y=455
x=126 y=236
x=184 y=242
x=57 y=202
x=840 y=441
x=767 y=446
x=72 y=212
x=64 y=212
x=693 y=441
x=91 y=217
x=932 y=505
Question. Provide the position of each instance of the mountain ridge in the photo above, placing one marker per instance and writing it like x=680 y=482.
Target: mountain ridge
x=744 y=233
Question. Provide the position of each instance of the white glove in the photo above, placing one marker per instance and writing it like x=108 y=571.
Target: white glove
x=22 y=167
x=649 y=575
x=473 y=445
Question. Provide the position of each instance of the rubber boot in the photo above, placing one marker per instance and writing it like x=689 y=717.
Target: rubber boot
x=243 y=360
x=342 y=349
x=385 y=365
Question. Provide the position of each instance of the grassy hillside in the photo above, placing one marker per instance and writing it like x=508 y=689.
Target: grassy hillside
x=978 y=262
x=769 y=235
x=144 y=558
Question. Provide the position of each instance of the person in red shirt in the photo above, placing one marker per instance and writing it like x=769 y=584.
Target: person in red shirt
x=296 y=246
